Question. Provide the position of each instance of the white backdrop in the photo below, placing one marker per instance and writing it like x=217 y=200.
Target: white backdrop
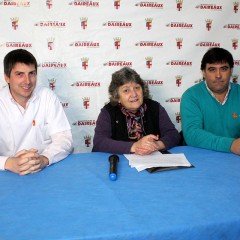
x=79 y=44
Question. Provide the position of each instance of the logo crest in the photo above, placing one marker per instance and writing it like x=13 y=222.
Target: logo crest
x=149 y=62
x=15 y=23
x=49 y=4
x=178 y=80
x=179 y=42
x=85 y=63
x=117 y=4
x=235 y=43
x=148 y=23
x=86 y=101
x=84 y=22
x=179 y=5
x=50 y=42
x=208 y=24
x=235 y=78
x=117 y=41
x=87 y=140
x=235 y=7
x=52 y=82
x=178 y=117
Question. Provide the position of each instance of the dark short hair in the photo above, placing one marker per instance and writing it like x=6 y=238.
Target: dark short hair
x=121 y=77
x=18 y=56
x=217 y=55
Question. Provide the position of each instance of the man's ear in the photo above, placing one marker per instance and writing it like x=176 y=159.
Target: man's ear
x=6 y=78
x=203 y=73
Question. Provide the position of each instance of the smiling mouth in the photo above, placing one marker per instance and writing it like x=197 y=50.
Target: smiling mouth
x=26 y=88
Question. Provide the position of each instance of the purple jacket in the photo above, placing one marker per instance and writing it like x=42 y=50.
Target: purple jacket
x=104 y=143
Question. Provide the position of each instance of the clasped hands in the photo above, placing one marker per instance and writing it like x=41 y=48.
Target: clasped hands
x=147 y=145
x=26 y=161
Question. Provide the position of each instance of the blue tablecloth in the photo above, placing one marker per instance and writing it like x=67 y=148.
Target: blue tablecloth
x=74 y=199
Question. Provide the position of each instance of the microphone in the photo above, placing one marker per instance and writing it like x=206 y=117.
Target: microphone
x=113 y=160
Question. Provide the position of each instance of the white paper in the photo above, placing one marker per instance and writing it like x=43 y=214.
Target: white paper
x=157 y=159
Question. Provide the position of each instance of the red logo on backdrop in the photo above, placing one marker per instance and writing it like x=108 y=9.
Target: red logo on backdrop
x=208 y=44
x=15 y=23
x=234 y=78
x=85 y=63
x=180 y=25
x=148 y=23
x=15 y=3
x=149 y=62
x=84 y=3
x=86 y=102
x=86 y=84
x=49 y=3
x=50 y=42
x=85 y=123
x=149 y=5
x=173 y=99
x=179 y=42
x=65 y=105
x=118 y=64
x=16 y=45
x=232 y=26
x=237 y=62
x=88 y=44
x=87 y=140
x=178 y=117
x=55 y=24
x=120 y=24
x=235 y=43
x=154 y=82
x=84 y=21
x=208 y=24
x=198 y=80
x=178 y=80
x=117 y=4
x=209 y=7
x=149 y=44
x=235 y=7
x=117 y=41
x=52 y=65
x=179 y=63
x=52 y=82
x=179 y=5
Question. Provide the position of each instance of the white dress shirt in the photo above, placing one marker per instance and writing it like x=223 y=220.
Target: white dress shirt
x=42 y=125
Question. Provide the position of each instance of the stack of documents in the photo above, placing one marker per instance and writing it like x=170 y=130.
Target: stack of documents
x=157 y=159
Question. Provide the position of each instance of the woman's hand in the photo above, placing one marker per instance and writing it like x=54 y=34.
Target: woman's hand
x=147 y=145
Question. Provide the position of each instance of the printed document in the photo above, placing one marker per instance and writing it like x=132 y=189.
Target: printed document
x=157 y=159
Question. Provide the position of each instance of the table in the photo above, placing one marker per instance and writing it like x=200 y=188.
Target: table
x=74 y=199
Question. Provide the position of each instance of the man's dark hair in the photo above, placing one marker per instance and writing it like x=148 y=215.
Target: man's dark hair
x=18 y=56
x=121 y=77
x=217 y=55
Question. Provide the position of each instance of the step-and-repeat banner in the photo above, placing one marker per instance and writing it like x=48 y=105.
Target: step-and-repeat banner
x=79 y=44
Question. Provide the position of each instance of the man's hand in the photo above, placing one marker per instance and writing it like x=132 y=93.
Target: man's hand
x=235 y=147
x=26 y=161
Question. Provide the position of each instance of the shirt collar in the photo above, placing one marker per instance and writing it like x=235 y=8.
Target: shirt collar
x=212 y=94
x=31 y=99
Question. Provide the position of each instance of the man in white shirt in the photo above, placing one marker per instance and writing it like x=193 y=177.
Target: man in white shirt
x=34 y=130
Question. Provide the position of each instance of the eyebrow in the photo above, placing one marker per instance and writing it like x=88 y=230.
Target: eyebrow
x=224 y=66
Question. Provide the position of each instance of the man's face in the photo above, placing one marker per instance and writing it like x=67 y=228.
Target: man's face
x=22 y=82
x=217 y=77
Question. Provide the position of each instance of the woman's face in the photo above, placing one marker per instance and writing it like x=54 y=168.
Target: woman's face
x=131 y=96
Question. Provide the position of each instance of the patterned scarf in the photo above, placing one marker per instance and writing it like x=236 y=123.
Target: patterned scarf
x=134 y=122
